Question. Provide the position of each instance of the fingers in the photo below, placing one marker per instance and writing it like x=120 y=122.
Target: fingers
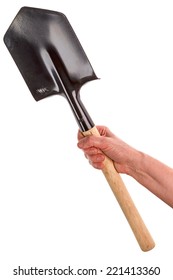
x=94 y=155
x=96 y=158
x=94 y=145
x=92 y=151
x=91 y=142
x=97 y=165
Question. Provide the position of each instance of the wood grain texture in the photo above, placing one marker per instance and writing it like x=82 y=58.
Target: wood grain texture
x=125 y=201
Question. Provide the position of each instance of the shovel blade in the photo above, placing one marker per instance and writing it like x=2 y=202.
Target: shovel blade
x=48 y=53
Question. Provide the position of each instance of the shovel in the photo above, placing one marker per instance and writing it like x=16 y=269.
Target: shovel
x=52 y=61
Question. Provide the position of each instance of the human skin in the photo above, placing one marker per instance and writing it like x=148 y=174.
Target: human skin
x=148 y=171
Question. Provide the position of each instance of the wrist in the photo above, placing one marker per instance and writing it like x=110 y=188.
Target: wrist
x=135 y=163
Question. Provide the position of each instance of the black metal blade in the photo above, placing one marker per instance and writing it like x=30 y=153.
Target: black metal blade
x=47 y=52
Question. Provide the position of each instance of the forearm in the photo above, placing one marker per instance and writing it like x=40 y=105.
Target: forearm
x=154 y=175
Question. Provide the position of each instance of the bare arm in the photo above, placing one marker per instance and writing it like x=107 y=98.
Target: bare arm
x=154 y=175
x=151 y=173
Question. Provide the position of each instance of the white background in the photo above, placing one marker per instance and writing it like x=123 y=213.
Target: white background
x=55 y=209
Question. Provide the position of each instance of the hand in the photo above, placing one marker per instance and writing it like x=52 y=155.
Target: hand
x=142 y=167
x=96 y=147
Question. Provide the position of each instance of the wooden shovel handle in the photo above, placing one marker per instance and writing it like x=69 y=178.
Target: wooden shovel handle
x=128 y=207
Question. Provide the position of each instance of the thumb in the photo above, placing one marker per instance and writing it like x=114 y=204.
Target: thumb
x=90 y=141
